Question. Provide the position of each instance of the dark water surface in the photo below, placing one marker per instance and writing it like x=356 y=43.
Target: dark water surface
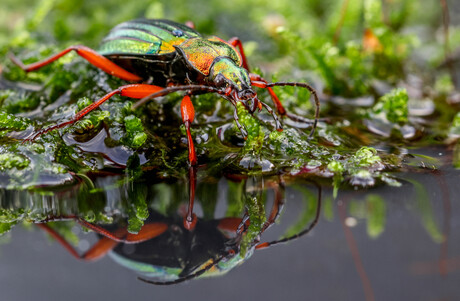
x=416 y=257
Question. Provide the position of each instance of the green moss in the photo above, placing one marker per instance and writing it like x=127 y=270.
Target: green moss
x=289 y=142
x=366 y=156
x=12 y=123
x=9 y=161
x=254 y=129
x=91 y=121
x=335 y=167
x=393 y=106
x=6 y=227
x=14 y=102
x=135 y=136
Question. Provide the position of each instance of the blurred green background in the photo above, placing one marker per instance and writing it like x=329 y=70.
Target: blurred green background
x=324 y=37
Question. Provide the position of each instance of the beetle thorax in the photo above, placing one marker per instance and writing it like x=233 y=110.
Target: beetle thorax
x=227 y=75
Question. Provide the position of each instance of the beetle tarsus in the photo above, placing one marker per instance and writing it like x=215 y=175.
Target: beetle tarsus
x=278 y=125
x=238 y=124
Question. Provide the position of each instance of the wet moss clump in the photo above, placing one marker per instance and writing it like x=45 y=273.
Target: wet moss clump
x=392 y=107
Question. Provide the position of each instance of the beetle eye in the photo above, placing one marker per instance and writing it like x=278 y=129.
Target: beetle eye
x=220 y=82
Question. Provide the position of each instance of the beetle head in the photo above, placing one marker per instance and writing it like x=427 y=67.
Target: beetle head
x=234 y=81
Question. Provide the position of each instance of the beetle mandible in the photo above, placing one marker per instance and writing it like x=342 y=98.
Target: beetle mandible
x=164 y=57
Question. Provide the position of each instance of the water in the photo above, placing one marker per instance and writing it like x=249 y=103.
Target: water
x=415 y=256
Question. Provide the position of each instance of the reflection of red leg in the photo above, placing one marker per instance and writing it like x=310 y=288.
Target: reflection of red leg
x=231 y=224
x=148 y=231
x=258 y=81
x=110 y=240
x=188 y=114
x=133 y=91
x=190 y=219
x=278 y=204
x=88 y=54
x=299 y=234
x=236 y=42
x=102 y=247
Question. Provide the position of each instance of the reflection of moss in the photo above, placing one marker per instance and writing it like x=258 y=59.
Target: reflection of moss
x=376 y=215
x=235 y=198
x=137 y=207
x=254 y=198
x=311 y=204
x=373 y=209
x=426 y=211
x=65 y=230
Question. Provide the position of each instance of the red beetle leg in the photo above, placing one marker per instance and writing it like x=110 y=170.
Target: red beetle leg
x=236 y=42
x=88 y=54
x=188 y=114
x=133 y=91
x=258 y=81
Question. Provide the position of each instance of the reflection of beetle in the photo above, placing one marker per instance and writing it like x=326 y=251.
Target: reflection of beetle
x=178 y=252
x=164 y=248
x=168 y=251
x=174 y=57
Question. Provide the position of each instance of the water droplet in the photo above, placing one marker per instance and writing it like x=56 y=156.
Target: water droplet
x=177 y=33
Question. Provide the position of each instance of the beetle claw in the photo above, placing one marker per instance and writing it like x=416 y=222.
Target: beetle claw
x=190 y=222
x=244 y=133
x=279 y=126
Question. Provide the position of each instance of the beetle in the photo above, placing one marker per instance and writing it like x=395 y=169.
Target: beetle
x=163 y=56
x=169 y=252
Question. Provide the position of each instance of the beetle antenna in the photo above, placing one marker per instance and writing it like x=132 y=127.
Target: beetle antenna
x=312 y=91
x=173 y=89
x=301 y=233
x=213 y=263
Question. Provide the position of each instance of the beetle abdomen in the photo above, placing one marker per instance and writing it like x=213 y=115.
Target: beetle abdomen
x=145 y=37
